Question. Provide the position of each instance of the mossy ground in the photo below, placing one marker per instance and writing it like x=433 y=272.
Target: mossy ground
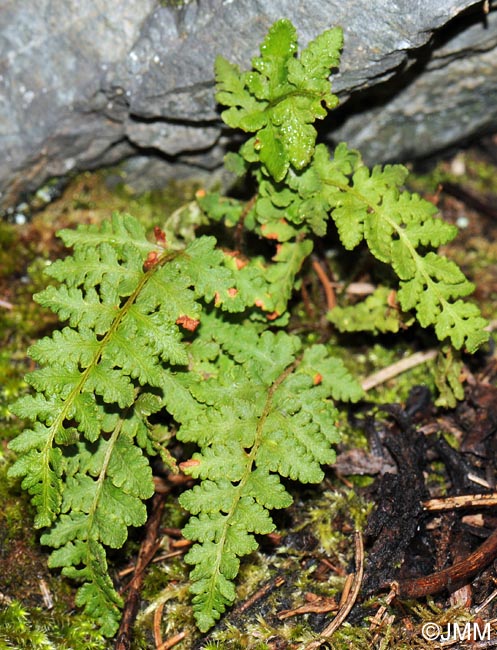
x=314 y=549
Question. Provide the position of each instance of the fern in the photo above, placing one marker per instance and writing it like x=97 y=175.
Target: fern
x=126 y=301
x=374 y=314
x=370 y=206
x=273 y=417
x=123 y=357
x=298 y=194
x=191 y=330
x=281 y=97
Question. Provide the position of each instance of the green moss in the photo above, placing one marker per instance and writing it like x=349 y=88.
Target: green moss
x=332 y=506
x=467 y=168
x=37 y=629
x=174 y=3
x=94 y=196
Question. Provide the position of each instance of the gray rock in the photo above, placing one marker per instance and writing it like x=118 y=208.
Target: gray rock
x=87 y=84
x=448 y=95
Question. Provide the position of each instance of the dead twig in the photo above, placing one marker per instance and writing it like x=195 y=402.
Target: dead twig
x=46 y=594
x=261 y=593
x=172 y=641
x=157 y=621
x=407 y=363
x=350 y=600
x=315 y=604
x=355 y=288
x=380 y=614
x=461 y=501
x=397 y=368
x=457 y=574
x=329 y=291
x=309 y=310
x=147 y=550
x=158 y=558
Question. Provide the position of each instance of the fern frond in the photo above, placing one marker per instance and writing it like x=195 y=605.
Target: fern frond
x=397 y=226
x=105 y=375
x=103 y=499
x=41 y=470
x=97 y=594
x=281 y=97
x=273 y=417
x=78 y=308
x=120 y=232
x=374 y=314
x=66 y=348
x=447 y=375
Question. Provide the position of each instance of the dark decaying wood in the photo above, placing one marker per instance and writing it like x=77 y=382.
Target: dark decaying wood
x=399 y=497
x=454 y=576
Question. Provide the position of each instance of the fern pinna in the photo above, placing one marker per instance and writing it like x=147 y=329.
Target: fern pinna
x=193 y=333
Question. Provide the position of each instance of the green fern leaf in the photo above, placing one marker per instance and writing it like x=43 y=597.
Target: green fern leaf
x=267 y=490
x=281 y=98
x=53 y=381
x=33 y=407
x=462 y=323
x=281 y=276
x=431 y=292
x=89 y=415
x=203 y=265
x=127 y=351
x=272 y=416
x=69 y=527
x=86 y=311
x=220 y=208
x=89 y=267
x=113 y=386
x=105 y=375
x=116 y=512
x=447 y=375
x=213 y=589
x=370 y=205
x=209 y=497
x=97 y=603
x=97 y=595
x=138 y=483
x=42 y=479
x=263 y=355
x=120 y=232
x=66 y=348
x=159 y=335
x=374 y=314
